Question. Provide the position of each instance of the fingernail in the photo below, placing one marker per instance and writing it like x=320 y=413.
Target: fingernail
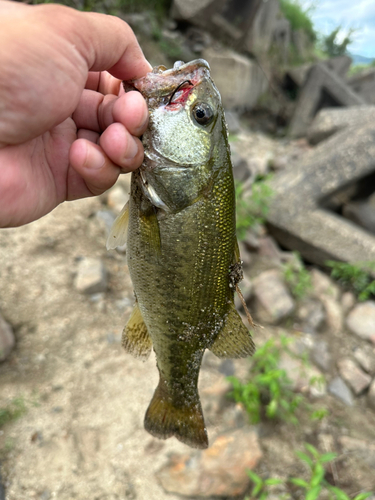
x=131 y=150
x=96 y=159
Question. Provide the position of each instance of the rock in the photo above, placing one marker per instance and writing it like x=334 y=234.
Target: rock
x=331 y=120
x=106 y=218
x=311 y=315
x=371 y=395
x=323 y=285
x=218 y=471
x=353 y=375
x=366 y=358
x=340 y=390
x=240 y=79
x=7 y=339
x=296 y=218
x=361 y=213
x=361 y=320
x=270 y=249
x=322 y=89
x=117 y=198
x=91 y=276
x=304 y=378
x=364 y=85
x=348 y=300
x=233 y=122
x=321 y=356
x=334 y=315
x=273 y=301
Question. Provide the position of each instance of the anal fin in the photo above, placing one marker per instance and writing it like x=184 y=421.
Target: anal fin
x=234 y=339
x=135 y=338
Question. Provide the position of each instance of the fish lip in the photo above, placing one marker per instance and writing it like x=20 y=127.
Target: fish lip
x=159 y=84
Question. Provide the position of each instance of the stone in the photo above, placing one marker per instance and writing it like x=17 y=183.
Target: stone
x=304 y=378
x=321 y=356
x=371 y=395
x=334 y=318
x=363 y=84
x=7 y=339
x=240 y=79
x=270 y=249
x=361 y=213
x=361 y=320
x=323 y=285
x=106 y=218
x=353 y=375
x=311 y=315
x=329 y=121
x=282 y=38
x=259 y=34
x=322 y=89
x=348 y=301
x=233 y=122
x=117 y=198
x=365 y=356
x=340 y=390
x=297 y=217
x=273 y=301
x=91 y=277
x=218 y=471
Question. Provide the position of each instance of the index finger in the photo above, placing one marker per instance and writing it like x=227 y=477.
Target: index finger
x=110 y=44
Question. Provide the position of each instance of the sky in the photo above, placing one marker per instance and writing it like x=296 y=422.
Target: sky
x=359 y=14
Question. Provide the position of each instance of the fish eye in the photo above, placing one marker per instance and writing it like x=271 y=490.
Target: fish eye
x=203 y=113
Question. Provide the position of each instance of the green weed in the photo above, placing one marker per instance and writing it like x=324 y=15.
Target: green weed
x=312 y=487
x=14 y=410
x=299 y=17
x=331 y=45
x=356 y=277
x=268 y=392
x=297 y=277
x=251 y=210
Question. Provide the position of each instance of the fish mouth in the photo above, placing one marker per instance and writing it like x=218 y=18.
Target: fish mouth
x=162 y=82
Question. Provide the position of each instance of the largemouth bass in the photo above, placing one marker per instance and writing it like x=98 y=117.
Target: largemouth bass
x=182 y=250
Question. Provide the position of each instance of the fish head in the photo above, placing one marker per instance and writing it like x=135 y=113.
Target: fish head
x=186 y=117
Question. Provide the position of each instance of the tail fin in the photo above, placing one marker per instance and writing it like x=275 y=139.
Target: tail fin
x=186 y=423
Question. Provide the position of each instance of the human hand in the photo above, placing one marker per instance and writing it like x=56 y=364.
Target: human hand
x=67 y=129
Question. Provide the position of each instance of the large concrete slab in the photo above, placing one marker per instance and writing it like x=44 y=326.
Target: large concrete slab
x=322 y=89
x=297 y=218
x=364 y=85
x=339 y=65
x=331 y=120
x=239 y=79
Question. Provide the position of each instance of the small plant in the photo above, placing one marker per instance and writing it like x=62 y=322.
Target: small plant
x=331 y=44
x=297 y=277
x=261 y=486
x=269 y=388
x=251 y=210
x=14 y=410
x=313 y=487
x=355 y=276
x=317 y=483
x=299 y=17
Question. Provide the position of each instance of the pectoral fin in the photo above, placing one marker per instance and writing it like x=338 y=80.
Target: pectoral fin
x=119 y=231
x=135 y=337
x=234 y=339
